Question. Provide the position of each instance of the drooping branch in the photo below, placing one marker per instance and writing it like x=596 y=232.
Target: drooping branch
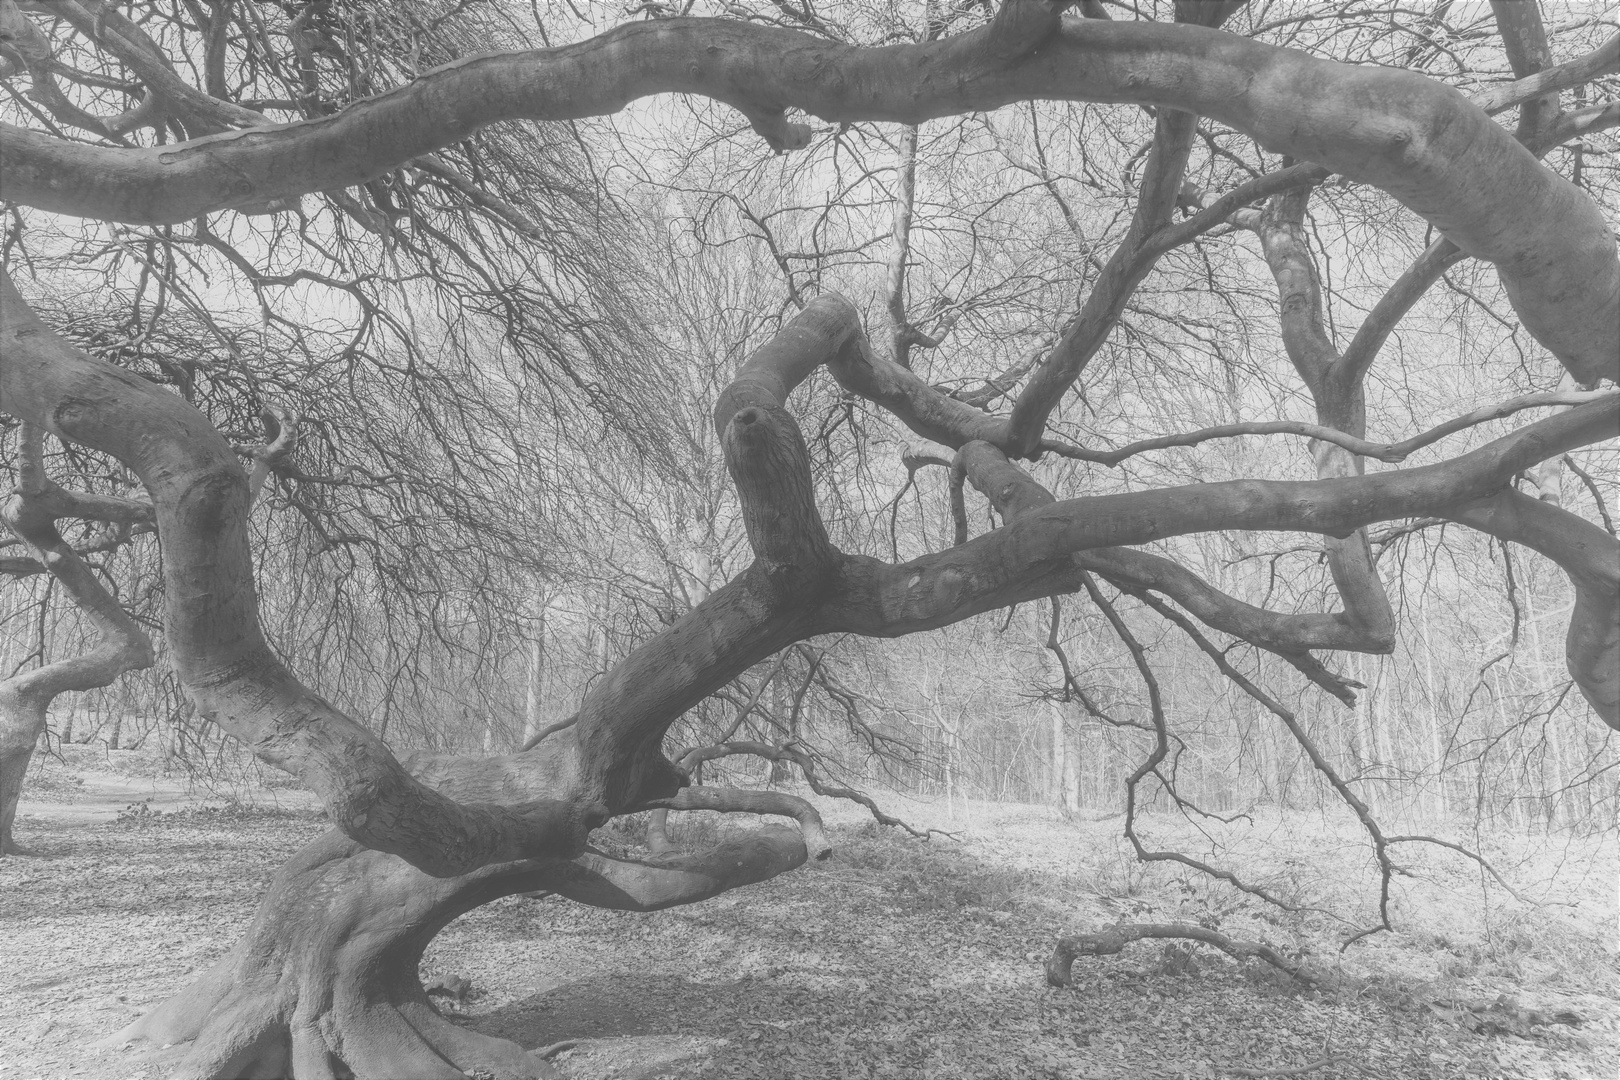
x=1017 y=564
x=1012 y=492
x=1340 y=403
x=112 y=30
x=1150 y=765
x=123 y=518
x=31 y=511
x=1591 y=558
x=24 y=41
x=1030 y=557
x=199 y=495
x=677 y=878
x=1380 y=842
x=812 y=776
x=1421 y=141
x=1059 y=966
x=925 y=409
x=1394 y=453
x=1290 y=636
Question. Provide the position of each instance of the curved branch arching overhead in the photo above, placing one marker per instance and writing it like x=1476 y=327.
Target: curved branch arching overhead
x=1419 y=140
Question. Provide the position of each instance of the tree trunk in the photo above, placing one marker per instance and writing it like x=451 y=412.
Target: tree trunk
x=20 y=725
x=780 y=772
x=536 y=668
x=1065 y=763
x=325 y=982
x=120 y=704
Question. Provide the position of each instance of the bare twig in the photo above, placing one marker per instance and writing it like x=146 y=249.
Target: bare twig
x=1112 y=940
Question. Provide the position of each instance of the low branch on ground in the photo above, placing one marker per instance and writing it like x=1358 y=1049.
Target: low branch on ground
x=1115 y=938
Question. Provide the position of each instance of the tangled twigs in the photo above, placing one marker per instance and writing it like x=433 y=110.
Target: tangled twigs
x=1116 y=937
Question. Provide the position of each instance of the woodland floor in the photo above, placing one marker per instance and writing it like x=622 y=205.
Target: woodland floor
x=896 y=958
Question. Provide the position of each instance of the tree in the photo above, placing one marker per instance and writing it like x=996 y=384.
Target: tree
x=327 y=972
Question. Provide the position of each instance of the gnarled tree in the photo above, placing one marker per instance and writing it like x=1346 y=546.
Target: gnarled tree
x=325 y=981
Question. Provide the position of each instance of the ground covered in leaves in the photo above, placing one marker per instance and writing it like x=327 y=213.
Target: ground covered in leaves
x=896 y=958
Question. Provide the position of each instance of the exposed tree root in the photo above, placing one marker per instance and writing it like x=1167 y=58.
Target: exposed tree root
x=325 y=983
x=1116 y=937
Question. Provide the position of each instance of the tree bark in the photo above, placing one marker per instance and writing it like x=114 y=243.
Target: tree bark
x=326 y=977
x=32 y=511
x=327 y=973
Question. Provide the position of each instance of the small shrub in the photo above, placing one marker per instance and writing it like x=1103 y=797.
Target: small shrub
x=138 y=814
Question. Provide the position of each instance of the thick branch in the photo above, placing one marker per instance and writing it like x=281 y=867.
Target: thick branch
x=112 y=30
x=665 y=881
x=1603 y=60
x=1591 y=558
x=123 y=646
x=1391 y=308
x=765 y=450
x=1421 y=141
x=740 y=801
x=1524 y=39
x=1031 y=557
x=199 y=493
x=1013 y=492
x=32 y=514
x=1340 y=403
